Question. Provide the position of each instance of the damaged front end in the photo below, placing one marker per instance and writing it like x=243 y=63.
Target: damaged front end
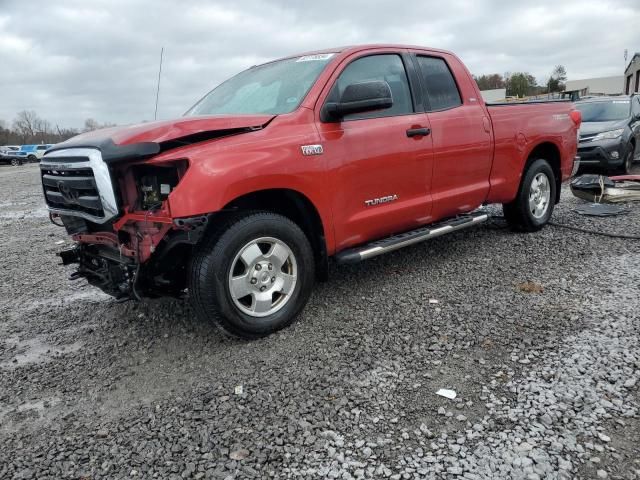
x=127 y=243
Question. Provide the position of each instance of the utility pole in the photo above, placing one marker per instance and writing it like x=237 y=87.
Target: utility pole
x=155 y=114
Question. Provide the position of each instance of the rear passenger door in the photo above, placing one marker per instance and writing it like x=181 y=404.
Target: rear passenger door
x=461 y=135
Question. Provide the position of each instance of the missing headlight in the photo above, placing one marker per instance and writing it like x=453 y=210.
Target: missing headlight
x=155 y=183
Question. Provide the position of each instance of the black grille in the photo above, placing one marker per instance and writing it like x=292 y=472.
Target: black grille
x=67 y=159
x=71 y=189
x=586 y=149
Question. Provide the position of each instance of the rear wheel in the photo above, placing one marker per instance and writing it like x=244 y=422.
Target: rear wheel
x=15 y=162
x=533 y=205
x=32 y=158
x=254 y=277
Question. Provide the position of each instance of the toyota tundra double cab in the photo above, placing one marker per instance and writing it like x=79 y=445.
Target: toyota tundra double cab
x=347 y=153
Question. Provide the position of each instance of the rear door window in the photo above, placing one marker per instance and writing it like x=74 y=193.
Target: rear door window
x=441 y=89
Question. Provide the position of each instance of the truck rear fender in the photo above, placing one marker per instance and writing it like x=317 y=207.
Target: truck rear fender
x=550 y=152
x=504 y=186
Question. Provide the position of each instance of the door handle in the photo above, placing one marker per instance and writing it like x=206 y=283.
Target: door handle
x=418 y=132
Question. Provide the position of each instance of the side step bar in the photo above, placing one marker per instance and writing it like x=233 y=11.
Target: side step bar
x=389 y=244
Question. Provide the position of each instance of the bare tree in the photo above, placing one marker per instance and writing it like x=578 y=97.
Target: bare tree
x=90 y=124
x=5 y=133
x=25 y=124
x=29 y=128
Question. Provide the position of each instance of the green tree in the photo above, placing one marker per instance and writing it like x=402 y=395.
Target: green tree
x=520 y=84
x=557 y=79
x=490 y=82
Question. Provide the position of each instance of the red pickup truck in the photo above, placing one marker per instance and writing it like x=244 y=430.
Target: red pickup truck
x=345 y=153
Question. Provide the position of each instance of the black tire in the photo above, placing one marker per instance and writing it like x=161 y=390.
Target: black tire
x=15 y=162
x=518 y=213
x=32 y=158
x=217 y=255
x=627 y=163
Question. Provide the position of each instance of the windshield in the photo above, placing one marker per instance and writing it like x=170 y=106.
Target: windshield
x=604 y=111
x=273 y=88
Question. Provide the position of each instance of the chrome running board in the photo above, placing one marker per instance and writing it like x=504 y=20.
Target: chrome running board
x=389 y=244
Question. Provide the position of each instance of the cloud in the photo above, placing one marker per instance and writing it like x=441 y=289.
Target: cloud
x=74 y=59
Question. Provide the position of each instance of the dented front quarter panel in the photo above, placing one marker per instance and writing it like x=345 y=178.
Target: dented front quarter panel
x=227 y=168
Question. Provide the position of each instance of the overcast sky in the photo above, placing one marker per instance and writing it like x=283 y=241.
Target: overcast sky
x=73 y=59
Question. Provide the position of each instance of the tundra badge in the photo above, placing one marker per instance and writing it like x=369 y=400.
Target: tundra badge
x=378 y=201
x=312 y=149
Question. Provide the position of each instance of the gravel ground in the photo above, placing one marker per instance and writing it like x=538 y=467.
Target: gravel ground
x=537 y=334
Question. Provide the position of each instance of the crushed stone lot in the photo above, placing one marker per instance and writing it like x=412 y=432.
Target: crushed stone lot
x=537 y=334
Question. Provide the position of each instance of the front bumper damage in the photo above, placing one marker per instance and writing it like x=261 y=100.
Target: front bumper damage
x=126 y=241
x=123 y=273
x=114 y=275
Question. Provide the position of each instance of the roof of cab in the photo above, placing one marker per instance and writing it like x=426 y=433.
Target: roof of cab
x=345 y=50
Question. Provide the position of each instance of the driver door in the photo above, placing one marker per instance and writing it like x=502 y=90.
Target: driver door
x=379 y=168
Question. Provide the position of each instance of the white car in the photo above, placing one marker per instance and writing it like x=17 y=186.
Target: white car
x=9 y=148
x=33 y=153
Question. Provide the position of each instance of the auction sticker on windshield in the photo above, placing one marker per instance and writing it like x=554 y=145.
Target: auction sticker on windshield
x=316 y=57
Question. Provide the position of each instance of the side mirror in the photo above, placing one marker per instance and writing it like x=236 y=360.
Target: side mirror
x=360 y=97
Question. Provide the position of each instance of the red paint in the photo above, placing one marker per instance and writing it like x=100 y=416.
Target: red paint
x=164 y=130
x=474 y=155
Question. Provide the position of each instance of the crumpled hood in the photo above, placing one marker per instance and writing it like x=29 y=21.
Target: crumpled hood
x=146 y=139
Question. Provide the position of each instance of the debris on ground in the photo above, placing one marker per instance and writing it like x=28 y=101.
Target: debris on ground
x=446 y=393
x=603 y=189
x=530 y=287
x=600 y=210
x=240 y=454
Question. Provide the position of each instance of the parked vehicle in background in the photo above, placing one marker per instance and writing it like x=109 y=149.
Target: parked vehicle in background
x=10 y=147
x=34 y=153
x=8 y=157
x=610 y=132
x=347 y=153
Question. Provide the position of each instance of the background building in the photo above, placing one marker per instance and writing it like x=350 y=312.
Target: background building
x=495 y=95
x=597 y=86
x=632 y=75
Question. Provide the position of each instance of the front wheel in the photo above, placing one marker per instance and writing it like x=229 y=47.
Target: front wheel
x=32 y=158
x=254 y=276
x=627 y=163
x=15 y=162
x=533 y=205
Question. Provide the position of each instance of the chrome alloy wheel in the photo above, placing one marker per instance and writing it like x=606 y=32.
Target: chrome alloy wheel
x=263 y=277
x=539 y=195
